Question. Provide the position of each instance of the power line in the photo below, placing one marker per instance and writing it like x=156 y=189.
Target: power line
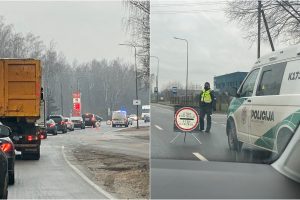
x=185 y=11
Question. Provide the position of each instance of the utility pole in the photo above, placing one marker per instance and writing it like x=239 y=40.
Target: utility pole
x=136 y=82
x=156 y=76
x=267 y=29
x=259 y=27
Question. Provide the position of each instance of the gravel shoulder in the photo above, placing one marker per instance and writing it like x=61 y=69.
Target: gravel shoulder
x=124 y=176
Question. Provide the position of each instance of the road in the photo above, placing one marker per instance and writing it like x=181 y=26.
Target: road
x=213 y=147
x=54 y=177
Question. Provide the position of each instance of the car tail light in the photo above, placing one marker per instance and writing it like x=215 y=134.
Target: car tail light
x=93 y=119
x=6 y=147
x=32 y=137
x=62 y=122
x=42 y=136
x=52 y=125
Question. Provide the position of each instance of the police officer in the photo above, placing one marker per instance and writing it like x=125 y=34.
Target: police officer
x=207 y=105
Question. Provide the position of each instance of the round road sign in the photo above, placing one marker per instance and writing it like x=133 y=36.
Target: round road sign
x=186 y=119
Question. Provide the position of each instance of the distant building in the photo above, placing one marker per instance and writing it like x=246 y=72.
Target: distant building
x=225 y=83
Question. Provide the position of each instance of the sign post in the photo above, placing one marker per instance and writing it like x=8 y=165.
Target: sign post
x=186 y=120
x=76 y=104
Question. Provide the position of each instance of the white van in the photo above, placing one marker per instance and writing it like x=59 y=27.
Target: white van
x=145 y=111
x=266 y=109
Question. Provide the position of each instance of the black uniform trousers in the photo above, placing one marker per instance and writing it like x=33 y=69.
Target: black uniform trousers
x=205 y=110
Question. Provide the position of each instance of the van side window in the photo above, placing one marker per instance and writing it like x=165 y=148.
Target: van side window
x=270 y=79
x=248 y=86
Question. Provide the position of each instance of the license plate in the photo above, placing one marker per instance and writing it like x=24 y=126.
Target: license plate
x=87 y=119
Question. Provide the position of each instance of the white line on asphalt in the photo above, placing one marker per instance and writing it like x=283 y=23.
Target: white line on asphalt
x=218 y=123
x=159 y=128
x=98 y=188
x=198 y=155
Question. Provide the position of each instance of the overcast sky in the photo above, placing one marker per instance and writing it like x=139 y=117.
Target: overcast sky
x=81 y=30
x=216 y=46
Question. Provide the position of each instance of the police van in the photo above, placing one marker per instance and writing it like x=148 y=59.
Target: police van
x=265 y=110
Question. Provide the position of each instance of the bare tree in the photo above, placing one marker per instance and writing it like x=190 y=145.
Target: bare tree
x=283 y=18
x=138 y=26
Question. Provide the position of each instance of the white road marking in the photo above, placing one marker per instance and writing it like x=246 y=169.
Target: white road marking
x=218 y=123
x=159 y=128
x=198 y=155
x=98 y=188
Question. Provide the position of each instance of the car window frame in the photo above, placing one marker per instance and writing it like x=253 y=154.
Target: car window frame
x=267 y=68
x=255 y=83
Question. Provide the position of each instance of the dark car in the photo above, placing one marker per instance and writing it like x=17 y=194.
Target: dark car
x=8 y=148
x=51 y=127
x=91 y=119
x=3 y=175
x=59 y=122
x=78 y=122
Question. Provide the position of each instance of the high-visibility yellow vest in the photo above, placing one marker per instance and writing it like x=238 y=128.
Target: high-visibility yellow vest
x=206 y=97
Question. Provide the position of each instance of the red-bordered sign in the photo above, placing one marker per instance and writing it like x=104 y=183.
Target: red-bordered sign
x=186 y=119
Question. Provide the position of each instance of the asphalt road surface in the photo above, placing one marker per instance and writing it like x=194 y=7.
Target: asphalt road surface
x=52 y=177
x=213 y=147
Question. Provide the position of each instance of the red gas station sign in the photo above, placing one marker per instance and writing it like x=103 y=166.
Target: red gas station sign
x=76 y=104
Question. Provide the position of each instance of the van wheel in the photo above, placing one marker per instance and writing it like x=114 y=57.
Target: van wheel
x=36 y=156
x=234 y=144
x=283 y=138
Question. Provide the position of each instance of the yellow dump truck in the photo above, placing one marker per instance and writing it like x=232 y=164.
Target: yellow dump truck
x=20 y=103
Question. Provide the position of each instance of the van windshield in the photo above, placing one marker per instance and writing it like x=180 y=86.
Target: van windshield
x=118 y=115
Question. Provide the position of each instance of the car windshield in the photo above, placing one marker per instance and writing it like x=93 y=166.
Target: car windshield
x=56 y=119
x=50 y=121
x=76 y=118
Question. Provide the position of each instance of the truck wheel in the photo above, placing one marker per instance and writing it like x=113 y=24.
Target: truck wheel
x=11 y=178
x=36 y=156
x=233 y=142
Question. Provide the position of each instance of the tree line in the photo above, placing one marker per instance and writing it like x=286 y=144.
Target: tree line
x=104 y=84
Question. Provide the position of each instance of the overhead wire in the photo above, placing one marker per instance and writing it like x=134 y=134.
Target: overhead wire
x=185 y=8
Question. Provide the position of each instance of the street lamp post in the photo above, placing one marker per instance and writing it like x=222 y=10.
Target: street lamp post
x=156 y=76
x=136 y=82
x=187 y=65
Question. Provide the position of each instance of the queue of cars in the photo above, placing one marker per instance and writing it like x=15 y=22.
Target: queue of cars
x=59 y=123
